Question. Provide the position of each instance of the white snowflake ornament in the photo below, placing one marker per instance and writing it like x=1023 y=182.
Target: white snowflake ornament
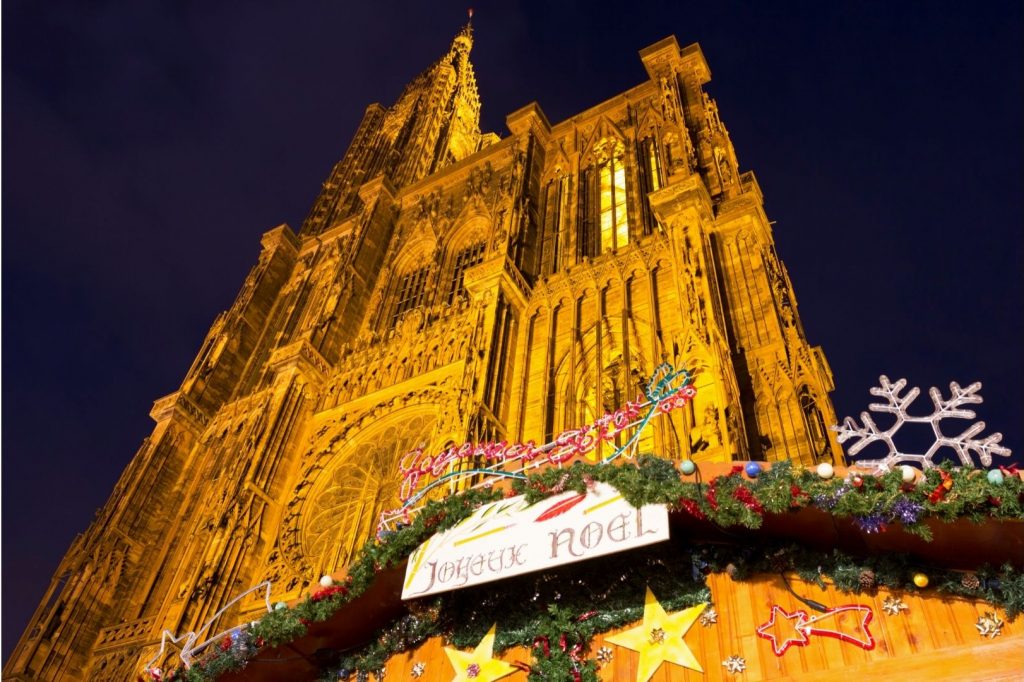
x=735 y=664
x=989 y=625
x=963 y=444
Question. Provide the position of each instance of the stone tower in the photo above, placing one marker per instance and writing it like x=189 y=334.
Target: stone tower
x=447 y=286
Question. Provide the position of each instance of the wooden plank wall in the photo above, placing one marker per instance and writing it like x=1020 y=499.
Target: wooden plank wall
x=935 y=639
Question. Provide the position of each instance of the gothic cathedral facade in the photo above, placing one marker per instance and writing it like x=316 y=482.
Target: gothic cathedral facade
x=447 y=286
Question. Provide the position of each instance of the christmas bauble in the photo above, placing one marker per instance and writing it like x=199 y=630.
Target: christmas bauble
x=280 y=605
x=753 y=469
x=995 y=477
x=687 y=467
x=921 y=580
x=908 y=473
x=326 y=581
x=857 y=482
x=826 y=470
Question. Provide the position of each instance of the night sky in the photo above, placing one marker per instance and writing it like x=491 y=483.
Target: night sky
x=147 y=146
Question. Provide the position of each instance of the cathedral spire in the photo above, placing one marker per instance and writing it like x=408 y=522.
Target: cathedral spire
x=435 y=122
x=464 y=38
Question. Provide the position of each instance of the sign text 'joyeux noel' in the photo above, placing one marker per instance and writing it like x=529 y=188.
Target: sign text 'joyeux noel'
x=510 y=537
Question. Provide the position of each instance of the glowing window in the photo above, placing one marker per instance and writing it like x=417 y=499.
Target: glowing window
x=614 y=227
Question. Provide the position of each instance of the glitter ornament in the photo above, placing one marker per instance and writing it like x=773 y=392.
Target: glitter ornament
x=995 y=477
x=709 y=617
x=989 y=625
x=908 y=473
x=735 y=664
x=688 y=467
x=873 y=523
x=753 y=469
x=921 y=580
x=893 y=606
x=326 y=581
x=826 y=470
x=906 y=511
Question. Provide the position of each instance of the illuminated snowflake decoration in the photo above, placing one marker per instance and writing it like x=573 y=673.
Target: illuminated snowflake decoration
x=418 y=669
x=735 y=664
x=604 y=655
x=963 y=444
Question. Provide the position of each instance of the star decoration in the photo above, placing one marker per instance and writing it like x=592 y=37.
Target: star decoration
x=791 y=632
x=735 y=664
x=893 y=605
x=797 y=627
x=989 y=625
x=480 y=663
x=670 y=648
x=709 y=617
x=604 y=655
x=418 y=669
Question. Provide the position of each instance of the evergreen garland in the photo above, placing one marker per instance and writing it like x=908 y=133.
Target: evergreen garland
x=676 y=576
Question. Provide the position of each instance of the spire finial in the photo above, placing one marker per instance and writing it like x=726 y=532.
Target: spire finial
x=465 y=36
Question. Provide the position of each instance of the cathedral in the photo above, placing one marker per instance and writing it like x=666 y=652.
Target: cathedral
x=448 y=285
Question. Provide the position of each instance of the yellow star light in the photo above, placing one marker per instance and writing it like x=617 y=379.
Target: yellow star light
x=479 y=665
x=667 y=642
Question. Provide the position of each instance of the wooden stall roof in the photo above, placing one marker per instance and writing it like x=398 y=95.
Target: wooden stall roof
x=935 y=639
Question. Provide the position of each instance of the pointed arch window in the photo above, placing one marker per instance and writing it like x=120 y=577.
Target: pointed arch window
x=650 y=179
x=815 y=422
x=555 y=195
x=464 y=259
x=614 y=225
x=409 y=294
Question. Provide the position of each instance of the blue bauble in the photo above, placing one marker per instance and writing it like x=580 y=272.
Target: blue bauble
x=753 y=469
x=687 y=467
x=995 y=477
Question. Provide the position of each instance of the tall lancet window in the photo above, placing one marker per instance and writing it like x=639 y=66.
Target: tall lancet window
x=650 y=179
x=614 y=226
x=555 y=196
x=464 y=259
x=409 y=293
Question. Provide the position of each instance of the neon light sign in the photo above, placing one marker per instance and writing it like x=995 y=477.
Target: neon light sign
x=668 y=389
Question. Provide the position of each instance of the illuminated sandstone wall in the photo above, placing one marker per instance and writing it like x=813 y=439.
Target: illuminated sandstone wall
x=446 y=286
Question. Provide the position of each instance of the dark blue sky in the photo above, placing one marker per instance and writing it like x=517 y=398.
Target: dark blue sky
x=146 y=146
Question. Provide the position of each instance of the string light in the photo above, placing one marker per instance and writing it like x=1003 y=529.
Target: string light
x=190 y=649
x=667 y=390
